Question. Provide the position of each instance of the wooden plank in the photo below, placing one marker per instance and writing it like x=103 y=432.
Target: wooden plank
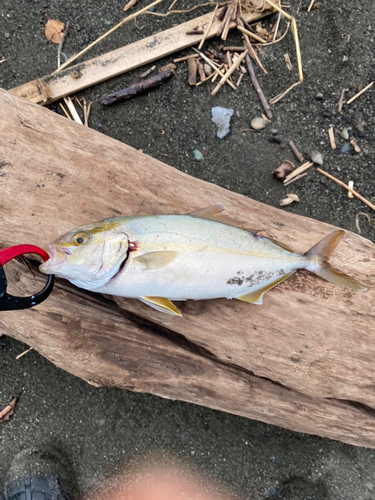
x=303 y=360
x=53 y=87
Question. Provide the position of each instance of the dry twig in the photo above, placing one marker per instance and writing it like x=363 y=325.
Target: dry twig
x=209 y=62
x=297 y=178
x=360 y=93
x=368 y=220
x=148 y=72
x=24 y=353
x=298 y=171
x=341 y=100
x=68 y=101
x=331 y=138
x=257 y=87
x=250 y=33
x=368 y=203
x=208 y=28
x=295 y=151
x=311 y=5
x=229 y=72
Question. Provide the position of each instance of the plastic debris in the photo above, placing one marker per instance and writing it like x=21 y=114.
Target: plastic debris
x=221 y=118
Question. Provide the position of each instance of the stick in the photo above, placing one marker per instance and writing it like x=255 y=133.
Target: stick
x=208 y=61
x=148 y=72
x=295 y=34
x=250 y=48
x=208 y=28
x=229 y=72
x=295 y=151
x=24 y=353
x=234 y=49
x=341 y=100
x=298 y=171
x=283 y=94
x=250 y=33
x=129 y=5
x=137 y=88
x=368 y=203
x=331 y=138
x=311 y=5
x=121 y=23
x=202 y=74
x=73 y=110
x=4 y=60
x=193 y=68
x=64 y=110
x=185 y=58
x=295 y=179
x=360 y=93
x=257 y=87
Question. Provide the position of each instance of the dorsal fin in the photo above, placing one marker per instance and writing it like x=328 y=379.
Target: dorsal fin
x=213 y=213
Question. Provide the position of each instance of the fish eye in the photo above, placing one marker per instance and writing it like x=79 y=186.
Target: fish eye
x=80 y=239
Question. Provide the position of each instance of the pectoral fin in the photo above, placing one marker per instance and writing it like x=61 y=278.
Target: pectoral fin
x=256 y=296
x=156 y=260
x=161 y=304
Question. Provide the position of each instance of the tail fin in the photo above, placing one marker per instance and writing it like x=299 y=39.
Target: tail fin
x=318 y=262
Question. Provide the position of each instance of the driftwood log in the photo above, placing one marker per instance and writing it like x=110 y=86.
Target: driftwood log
x=304 y=360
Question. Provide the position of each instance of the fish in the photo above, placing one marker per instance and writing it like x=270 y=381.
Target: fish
x=162 y=259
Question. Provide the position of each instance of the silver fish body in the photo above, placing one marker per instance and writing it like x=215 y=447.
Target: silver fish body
x=199 y=256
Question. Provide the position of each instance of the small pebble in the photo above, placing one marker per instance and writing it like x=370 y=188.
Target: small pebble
x=345 y=148
x=6 y=35
x=207 y=69
x=100 y=125
x=369 y=486
x=360 y=127
x=316 y=157
x=274 y=131
x=345 y=134
x=197 y=155
x=345 y=58
x=258 y=123
x=319 y=96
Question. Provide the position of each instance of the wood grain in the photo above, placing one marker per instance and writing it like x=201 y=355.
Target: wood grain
x=303 y=360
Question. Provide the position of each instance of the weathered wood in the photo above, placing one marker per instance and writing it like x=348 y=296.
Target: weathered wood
x=53 y=87
x=303 y=360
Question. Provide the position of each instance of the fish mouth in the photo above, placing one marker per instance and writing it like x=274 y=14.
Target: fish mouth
x=57 y=256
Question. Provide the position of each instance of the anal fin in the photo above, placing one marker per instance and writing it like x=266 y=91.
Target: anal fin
x=256 y=296
x=161 y=304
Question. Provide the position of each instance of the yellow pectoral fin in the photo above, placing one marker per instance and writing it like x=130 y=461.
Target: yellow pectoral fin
x=161 y=304
x=156 y=260
x=256 y=296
